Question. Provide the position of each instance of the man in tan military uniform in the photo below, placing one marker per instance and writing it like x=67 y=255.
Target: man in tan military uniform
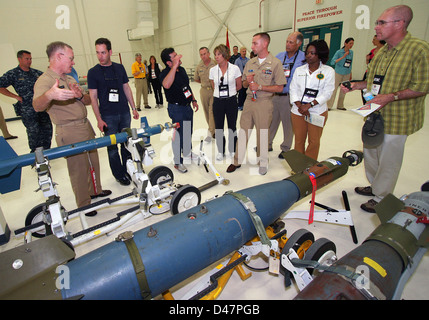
x=206 y=92
x=62 y=98
x=263 y=76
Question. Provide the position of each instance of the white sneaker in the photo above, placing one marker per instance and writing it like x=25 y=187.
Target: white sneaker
x=208 y=139
x=188 y=159
x=181 y=167
x=219 y=156
x=263 y=170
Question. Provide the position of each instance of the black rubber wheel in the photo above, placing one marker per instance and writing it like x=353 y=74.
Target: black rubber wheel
x=160 y=175
x=35 y=215
x=299 y=241
x=321 y=251
x=186 y=197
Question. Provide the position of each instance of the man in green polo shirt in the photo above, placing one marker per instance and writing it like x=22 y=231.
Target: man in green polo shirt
x=398 y=77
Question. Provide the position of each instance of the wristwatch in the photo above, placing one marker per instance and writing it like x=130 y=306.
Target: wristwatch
x=396 y=96
x=312 y=103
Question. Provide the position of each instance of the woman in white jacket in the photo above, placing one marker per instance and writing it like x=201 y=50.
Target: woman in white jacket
x=311 y=88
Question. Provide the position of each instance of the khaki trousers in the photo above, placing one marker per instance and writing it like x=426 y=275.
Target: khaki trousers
x=206 y=96
x=78 y=165
x=257 y=114
x=302 y=129
x=383 y=164
x=141 y=89
x=3 y=126
x=338 y=79
x=281 y=114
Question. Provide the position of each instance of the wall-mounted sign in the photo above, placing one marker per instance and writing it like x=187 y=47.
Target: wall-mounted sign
x=320 y=13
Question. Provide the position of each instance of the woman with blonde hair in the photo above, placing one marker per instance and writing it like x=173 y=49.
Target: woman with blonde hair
x=226 y=81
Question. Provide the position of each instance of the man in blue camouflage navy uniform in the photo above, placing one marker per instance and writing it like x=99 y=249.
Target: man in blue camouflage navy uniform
x=22 y=79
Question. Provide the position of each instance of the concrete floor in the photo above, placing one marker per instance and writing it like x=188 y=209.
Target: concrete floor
x=341 y=133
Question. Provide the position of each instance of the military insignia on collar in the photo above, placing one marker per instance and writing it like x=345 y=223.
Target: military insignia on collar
x=320 y=76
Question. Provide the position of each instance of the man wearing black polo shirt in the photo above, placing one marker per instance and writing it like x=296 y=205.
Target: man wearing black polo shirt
x=179 y=96
x=111 y=99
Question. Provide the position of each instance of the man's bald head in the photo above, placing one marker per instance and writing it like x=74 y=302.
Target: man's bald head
x=401 y=12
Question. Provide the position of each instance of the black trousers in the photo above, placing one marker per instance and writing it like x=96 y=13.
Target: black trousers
x=225 y=108
x=156 y=85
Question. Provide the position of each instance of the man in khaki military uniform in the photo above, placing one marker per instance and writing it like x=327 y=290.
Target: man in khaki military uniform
x=263 y=76
x=60 y=95
x=206 y=92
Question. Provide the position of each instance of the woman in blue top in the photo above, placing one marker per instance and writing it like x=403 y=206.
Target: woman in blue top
x=342 y=60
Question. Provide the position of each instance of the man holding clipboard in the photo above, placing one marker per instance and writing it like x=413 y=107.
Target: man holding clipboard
x=398 y=77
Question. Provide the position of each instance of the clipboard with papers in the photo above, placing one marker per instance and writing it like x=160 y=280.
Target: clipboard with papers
x=315 y=119
x=366 y=109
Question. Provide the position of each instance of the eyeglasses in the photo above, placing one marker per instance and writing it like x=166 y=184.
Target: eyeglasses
x=383 y=22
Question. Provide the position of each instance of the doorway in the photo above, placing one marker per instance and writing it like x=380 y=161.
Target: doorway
x=331 y=33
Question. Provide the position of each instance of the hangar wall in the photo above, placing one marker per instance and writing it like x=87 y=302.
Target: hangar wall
x=185 y=25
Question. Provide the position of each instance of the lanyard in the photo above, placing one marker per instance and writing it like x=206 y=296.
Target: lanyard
x=222 y=78
x=223 y=88
x=394 y=56
x=284 y=59
x=318 y=85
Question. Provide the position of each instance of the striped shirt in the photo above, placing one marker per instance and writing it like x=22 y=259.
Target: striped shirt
x=405 y=66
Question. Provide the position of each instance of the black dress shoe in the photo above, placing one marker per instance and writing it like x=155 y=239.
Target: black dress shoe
x=232 y=168
x=369 y=206
x=11 y=137
x=91 y=214
x=124 y=181
x=103 y=193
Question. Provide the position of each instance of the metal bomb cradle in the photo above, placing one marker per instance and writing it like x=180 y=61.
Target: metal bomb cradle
x=153 y=193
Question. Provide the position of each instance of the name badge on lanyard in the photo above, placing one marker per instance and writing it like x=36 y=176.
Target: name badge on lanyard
x=347 y=63
x=376 y=84
x=287 y=68
x=187 y=92
x=311 y=93
x=223 y=91
x=113 y=95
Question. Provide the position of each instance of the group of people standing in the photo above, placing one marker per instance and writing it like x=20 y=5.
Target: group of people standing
x=294 y=88
x=298 y=88
x=268 y=85
x=145 y=78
